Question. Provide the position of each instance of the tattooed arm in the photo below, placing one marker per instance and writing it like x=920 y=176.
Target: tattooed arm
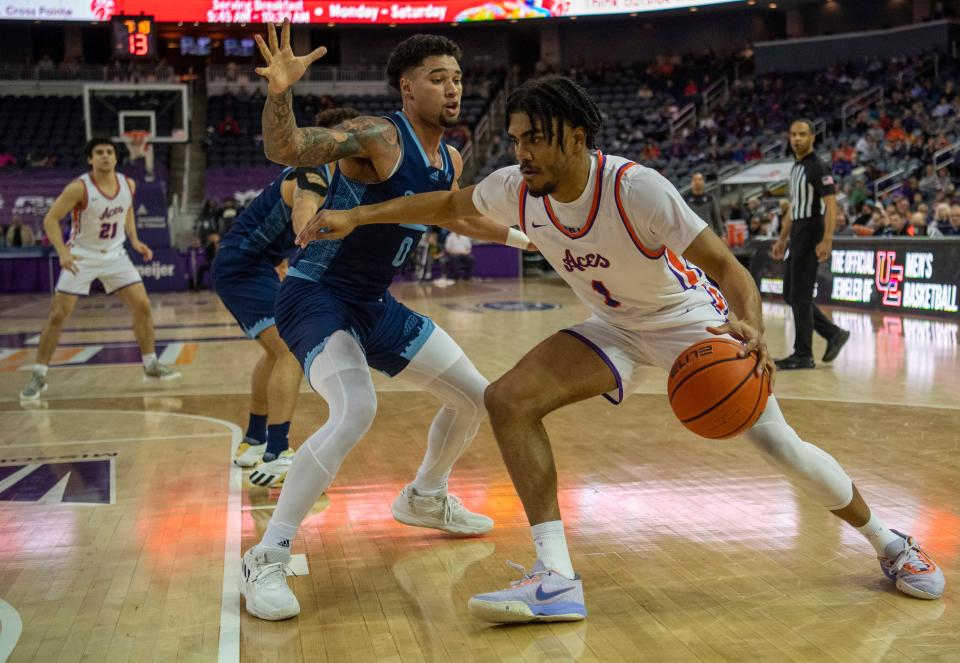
x=287 y=144
x=284 y=142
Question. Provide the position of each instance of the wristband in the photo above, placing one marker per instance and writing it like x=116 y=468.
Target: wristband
x=517 y=239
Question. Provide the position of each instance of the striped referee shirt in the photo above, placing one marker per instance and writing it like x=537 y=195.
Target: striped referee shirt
x=810 y=181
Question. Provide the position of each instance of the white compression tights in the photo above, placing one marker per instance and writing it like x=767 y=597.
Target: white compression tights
x=341 y=376
x=442 y=369
x=810 y=468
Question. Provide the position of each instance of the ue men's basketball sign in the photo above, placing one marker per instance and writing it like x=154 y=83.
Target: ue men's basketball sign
x=898 y=275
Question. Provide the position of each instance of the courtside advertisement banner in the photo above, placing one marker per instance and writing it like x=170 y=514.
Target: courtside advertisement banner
x=316 y=11
x=909 y=276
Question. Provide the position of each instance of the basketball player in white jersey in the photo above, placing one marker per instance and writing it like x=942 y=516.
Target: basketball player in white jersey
x=102 y=206
x=636 y=256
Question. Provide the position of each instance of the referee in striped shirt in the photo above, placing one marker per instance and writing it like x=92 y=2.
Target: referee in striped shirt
x=808 y=226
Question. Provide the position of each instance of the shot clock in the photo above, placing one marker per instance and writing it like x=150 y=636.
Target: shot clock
x=133 y=37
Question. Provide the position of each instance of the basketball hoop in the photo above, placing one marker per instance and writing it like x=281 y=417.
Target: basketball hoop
x=137 y=142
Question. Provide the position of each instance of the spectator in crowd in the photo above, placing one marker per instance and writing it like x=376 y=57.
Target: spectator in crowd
x=41 y=159
x=953 y=228
x=6 y=158
x=46 y=64
x=209 y=253
x=497 y=147
x=19 y=235
x=865 y=217
x=930 y=184
x=458 y=257
x=858 y=194
x=894 y=225
x=919 y=223
x=228 y=214
x=428 y=250
x=228 y=126
x=843 y=227
x=458 y=136
x=705 y=205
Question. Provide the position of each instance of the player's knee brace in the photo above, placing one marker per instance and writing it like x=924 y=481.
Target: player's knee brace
x=812 y=469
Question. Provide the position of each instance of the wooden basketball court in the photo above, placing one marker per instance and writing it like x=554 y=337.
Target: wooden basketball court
x=122 y=520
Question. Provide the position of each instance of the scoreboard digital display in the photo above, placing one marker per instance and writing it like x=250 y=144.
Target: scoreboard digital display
x=134 y=37
x=335 y=11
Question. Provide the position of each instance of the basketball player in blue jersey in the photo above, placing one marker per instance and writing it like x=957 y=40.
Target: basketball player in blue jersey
x=245 y=277
x=336 y=315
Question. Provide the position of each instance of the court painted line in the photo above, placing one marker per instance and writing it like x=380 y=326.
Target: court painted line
x=111 y=440
x=133 y=343
x=298 y=566
x=85 y=354
x=6 y=352
x=170 y=353
x=10 y=629
x=229 y=649
x=19 y=474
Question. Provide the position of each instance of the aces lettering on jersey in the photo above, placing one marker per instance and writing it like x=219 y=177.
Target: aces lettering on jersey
x=591 y=260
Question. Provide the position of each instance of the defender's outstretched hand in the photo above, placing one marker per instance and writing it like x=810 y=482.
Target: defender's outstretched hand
x=283 y=67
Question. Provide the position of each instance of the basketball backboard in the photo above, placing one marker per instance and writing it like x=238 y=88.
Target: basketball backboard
x=113 y=109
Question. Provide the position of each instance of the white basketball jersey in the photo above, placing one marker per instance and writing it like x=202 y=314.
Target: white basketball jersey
x=619 y=246
x=98 y=222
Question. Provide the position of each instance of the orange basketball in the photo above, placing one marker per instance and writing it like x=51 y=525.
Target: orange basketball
x=715 y=393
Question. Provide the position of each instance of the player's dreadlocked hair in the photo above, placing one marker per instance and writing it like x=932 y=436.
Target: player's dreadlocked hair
x=412 y=51
x=556 y=98
x=334 y=116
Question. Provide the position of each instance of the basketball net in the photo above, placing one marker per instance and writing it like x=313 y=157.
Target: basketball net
x=137 y=142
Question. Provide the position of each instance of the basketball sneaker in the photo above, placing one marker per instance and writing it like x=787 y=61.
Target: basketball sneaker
x=539 y=596
x=36 y=386
x=249 y=452
x=793 y=362
x=263 y=583
x=157 y=371
x=271 y=473
x=835 y=345
x=444 y=512
x=914 y=573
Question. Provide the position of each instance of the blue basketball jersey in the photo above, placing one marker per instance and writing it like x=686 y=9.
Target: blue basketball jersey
x=363 y=264
x=264 y=227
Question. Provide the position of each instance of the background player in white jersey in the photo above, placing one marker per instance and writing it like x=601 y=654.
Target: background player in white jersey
x=635 y=254
x=102 y=206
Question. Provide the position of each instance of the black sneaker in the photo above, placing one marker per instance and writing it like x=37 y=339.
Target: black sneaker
x=835 y=345
x=794 y=362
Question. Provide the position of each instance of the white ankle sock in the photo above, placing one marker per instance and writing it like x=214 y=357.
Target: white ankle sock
x=551 y=547
x=879 y=536
x=40 y=369
x=278 y=536
x=149 y=358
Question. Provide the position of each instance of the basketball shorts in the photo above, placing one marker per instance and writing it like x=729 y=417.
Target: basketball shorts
x=308 y=313
x=114 y=270
x=248 y=286
x=626 y=350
